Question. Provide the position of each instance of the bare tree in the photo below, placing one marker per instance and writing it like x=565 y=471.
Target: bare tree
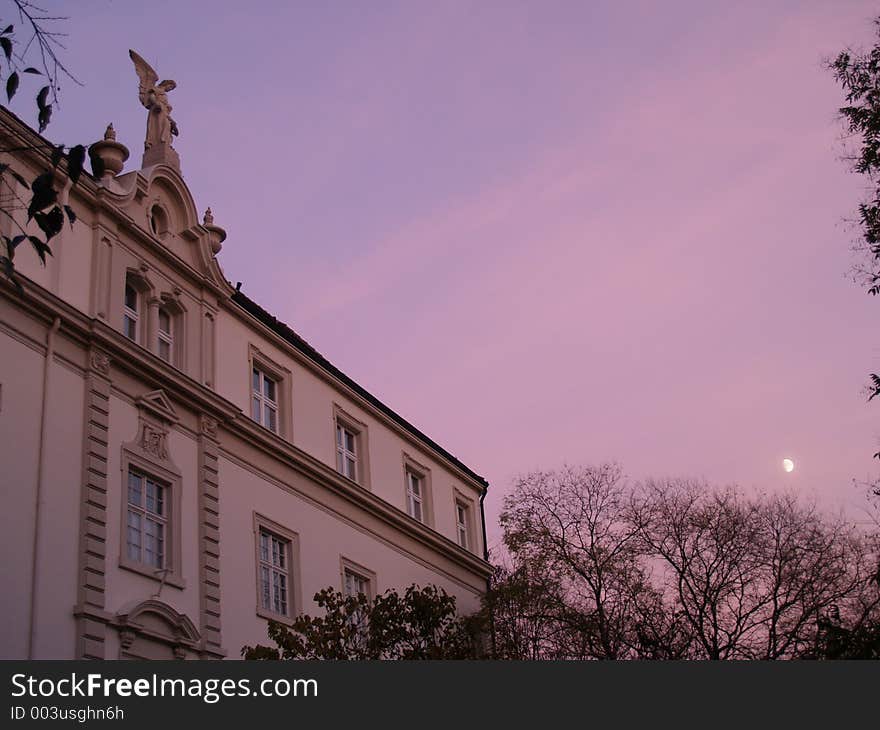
x=571 y=522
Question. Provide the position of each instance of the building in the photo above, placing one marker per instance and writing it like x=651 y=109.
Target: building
x=178 y=465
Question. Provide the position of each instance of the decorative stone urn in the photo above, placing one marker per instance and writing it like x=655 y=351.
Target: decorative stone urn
x=218 y=235
x=111 y=153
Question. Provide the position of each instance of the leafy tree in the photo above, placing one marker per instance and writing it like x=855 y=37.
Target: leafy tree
x=41 y=199
x=421 y=624
x=858 y=73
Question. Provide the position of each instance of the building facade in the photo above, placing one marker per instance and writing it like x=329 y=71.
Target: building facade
x=178 y=465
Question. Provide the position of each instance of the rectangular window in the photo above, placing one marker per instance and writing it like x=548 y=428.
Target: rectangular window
x=274 y=572
x=462 y=519
x=147 y=520
x=355 y=583
x=414 y=495
x=166 y=336
x=346 y=452
x=130 y=312
x=264 y=400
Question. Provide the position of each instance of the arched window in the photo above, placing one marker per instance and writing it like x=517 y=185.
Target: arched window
x=158 y=221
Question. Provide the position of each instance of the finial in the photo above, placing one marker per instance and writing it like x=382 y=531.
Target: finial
x=209 y=218
x=110 y=133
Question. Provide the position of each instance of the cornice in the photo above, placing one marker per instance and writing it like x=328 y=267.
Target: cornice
x=315 y=368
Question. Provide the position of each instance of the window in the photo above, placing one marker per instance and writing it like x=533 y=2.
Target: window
x=277 y=570
x=166 y=335
x=462 y=521
x=417 y=492
x=346 y=452
x=351 y=446
x=147 y=520
x=131 y=311
x=274 y=562
x=356 y=579
x=356 y=584
x=150 y=496
x=264 y=399
x=414 y=495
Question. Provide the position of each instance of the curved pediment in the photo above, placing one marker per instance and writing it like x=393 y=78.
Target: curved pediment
x=159 y=203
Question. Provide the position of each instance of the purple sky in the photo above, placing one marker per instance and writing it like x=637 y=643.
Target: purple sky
x=543 y=232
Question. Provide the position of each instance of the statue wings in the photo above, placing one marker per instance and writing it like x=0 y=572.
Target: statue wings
x=148 y=78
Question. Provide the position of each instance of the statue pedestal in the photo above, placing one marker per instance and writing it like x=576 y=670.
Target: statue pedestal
x=161 y=155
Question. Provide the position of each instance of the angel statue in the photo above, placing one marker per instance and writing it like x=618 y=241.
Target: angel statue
x=153 y=95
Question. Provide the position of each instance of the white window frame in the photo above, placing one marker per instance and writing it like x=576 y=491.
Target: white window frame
x=144 y=515
x=263 y=525
x=346 y=457
x=163 y=472
x=130 y=315
x=412 y=469
x=274 y=579
x=261 y=403
x=360 y=455
x=415 y=495
x=165 y=336
x=462 y=524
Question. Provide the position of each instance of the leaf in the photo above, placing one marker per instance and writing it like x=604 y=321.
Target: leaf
x=13 y=243
x=41 y=248
x=7 y=47
x=875 y=385
x=71 y=216
x=8 y=29
x=57 y=154
x=44 y=194
x=50 y=223
x=42 y=96
x=32 y=70
x=75 y=160
x=44 y=116
x=11 y=85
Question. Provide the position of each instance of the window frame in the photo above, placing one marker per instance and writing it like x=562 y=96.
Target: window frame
x=343 y=419
x=166 y=337
x=137 y=460
x=294 y=583
x=459 y=499
x=350 y=566
x=281 y=377
x=423 y=474
x=129 y=314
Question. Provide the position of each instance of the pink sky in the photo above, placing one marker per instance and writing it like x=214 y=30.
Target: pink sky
x=543 y=232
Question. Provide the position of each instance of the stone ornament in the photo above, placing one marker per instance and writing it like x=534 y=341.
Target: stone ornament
x=100 y=362
x=153 y=94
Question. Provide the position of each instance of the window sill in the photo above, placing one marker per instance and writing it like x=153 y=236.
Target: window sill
x=279 y=617
x=171 y=579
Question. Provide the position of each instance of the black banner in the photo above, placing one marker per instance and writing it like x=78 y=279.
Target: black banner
x=463 y=694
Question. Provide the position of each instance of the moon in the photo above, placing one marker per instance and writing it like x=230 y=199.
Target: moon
x=788 y=465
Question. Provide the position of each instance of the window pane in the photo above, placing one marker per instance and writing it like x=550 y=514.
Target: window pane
x=339 y=435
x=134 y=489
x=269 y=388
x=339 y=460
x=131 y=297
x=271 y=419
x=164 y=322
x=255 y=409
x=164 y=351
x=415 y=484
x=349 y=441
x=264 y=547
x=265 y=587
x=129 y=327
x=134 y=536
x=255 y=381
x=417 y=510
x=350 y=468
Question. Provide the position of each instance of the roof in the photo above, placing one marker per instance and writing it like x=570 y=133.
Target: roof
x=286 y=333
